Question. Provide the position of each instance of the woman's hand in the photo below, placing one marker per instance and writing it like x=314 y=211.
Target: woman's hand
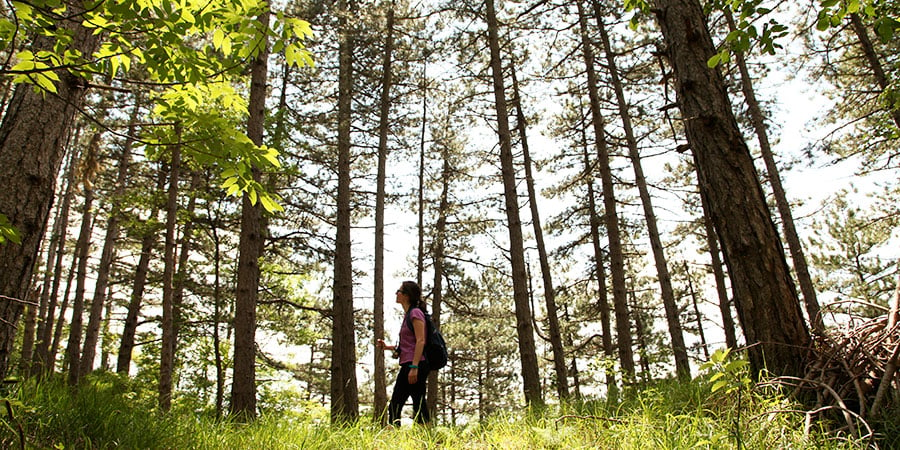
x=413 y=376
x=380 y=345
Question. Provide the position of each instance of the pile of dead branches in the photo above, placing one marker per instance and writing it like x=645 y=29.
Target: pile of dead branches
x=852 y=372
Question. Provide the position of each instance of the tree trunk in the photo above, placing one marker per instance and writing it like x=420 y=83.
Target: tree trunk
x=61 y=317
x=73 y=346
x=530 y=377
x=167 y=348
x=217 y=318
x=184 y=247
x=104 y=332
x=679 y=349
x=641 y=337
x=31 y=315
x=894 y=309
x=874 y=62
x=32 y=143
x=129 y=328
x=440 y=232
x=383 y=129
x=420 y=256
x=616 y=255
x=252 y=240
x=712 y=241
x=42 y=364
x=108 y=254
x=781 y=202
x=344 y=390
x=766 y=300
x=693 y=294
x=602 y=295
x=559 y=354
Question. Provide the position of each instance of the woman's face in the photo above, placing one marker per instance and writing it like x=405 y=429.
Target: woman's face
x=402 y=298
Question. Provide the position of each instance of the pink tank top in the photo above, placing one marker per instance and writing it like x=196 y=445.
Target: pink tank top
x=408 y=337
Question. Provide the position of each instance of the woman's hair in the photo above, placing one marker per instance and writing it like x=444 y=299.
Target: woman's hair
x=412 y=289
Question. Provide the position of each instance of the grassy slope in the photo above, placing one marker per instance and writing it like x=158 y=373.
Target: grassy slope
x=109 y=412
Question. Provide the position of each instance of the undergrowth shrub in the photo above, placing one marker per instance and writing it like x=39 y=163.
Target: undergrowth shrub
x=105 y=411
x=109 y=411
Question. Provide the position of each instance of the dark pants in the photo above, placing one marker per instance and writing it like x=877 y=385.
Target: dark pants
x=403 y=390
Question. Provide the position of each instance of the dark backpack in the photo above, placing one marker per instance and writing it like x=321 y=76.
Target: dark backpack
x=435 y=346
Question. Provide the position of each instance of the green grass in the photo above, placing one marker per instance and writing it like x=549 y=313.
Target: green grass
x=111 y=412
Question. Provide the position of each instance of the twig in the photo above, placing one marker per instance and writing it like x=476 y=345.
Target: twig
x=588 y=417
x=842 y=406
x=18 y=300
x=886 y=380
x=12 y=418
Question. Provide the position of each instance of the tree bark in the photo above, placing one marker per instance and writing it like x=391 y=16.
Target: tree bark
x=679 y=349
x=61 y=317
x=712 y=241
x=609 y=349
x=252 y=240
x=437 y=299
x=616 y=255
x=148 y=241
x=641 y=338
x=781 y=202
x=32 y=143
x=184 y=247
x=344 y=390
x=530 y=377
x=167 y=348
x=31 y=315
x=383 y=129
x=42 y=364
x=420 y=255
x=73 y=346
x=766 y=300
x=695 y=303
x=217 y=318
x=874 y=62
x=104 y=332
x=559 y=354
x=107 y=255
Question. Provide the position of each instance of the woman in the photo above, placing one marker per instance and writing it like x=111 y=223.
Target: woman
x=413 y=367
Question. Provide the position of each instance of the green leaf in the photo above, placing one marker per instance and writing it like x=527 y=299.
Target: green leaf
x=217 y=38
x=720 y=355
x=24 y=11
x=95 y=21
x=836 y=20
x=302 y=28
x=271 y=155
x=884 y=28
x=233 y=190
x=714 y=60
x=230 y=181
x=718 y=385
x=735 y=365
x=226 y=46
x=733 y=35
x=187 y=16
x=8 y=232
x=270 y=204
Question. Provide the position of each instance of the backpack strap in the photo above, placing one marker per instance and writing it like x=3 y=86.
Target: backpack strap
x=427 y=324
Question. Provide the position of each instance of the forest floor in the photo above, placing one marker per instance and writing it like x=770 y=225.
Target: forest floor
x=108 y=411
